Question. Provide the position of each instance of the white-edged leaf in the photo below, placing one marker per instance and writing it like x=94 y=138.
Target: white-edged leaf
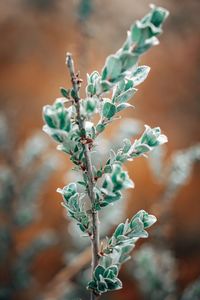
x=125 y=96
x=123 y=106
x=112 y=68
x=109 y=110
x=140 y=75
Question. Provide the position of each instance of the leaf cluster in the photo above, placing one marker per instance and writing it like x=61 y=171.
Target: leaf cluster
x=117 y=251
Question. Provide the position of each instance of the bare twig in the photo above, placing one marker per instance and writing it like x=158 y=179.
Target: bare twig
x=57 y=286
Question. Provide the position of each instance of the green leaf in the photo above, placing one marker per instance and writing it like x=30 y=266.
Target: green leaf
x=142 y=148
x=150 y=42
x=128 y=84
x=92 y=80
x=100 y=128
x=118 y=284
x=56 y=134
x=110 y=198
x=119 y=88
x=102 y=286
x=90 y=89
x=50 y=117
x=149 y=220
x=92 y=285
x=107 y=169
x=111 y=284
x=126 y=145
x=128 y=60
x=114 y=270
x=125 y=96
x=105 y=86
x=99 y=270
x=109 y=110
x=159 y=14
x=123 y=106
x=90 y=105
x=140 y=75
x=109 y=274
x=82 y=183
x=125 y=252
x=103 y=203
x=135 y=33
x=94 y=76
x=113 y=68
x=119 y=230
x=73 y=94
x=65 y=93
x=99 y=173
x=137 y=228
x=126 y=249
x=82 y=228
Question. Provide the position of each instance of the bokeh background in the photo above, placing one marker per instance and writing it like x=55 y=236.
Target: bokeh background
x=35 y=35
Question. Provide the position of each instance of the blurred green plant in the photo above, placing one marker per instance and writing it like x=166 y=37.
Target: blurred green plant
x=192 y=292
x=41 y=5
x=84 y=10
x=70 y=122
x=23 y=172
x=157 y=267
x=155 y=263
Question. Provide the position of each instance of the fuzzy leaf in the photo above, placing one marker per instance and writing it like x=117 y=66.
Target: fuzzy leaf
x=123 y=106
x=99 y=270
x=128 y=60
x=100 y=128
x=125 y=96
x=65 y=93
x=119 y=230
x=126 y=145
x=112 y=68
x=140 y=75
x=109 y=110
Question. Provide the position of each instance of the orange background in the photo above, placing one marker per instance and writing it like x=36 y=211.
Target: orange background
x=34 y=41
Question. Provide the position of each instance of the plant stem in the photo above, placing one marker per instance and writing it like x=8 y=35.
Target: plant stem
x=95 y=222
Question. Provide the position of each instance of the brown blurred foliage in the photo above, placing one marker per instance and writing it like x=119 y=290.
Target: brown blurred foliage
x=34 y=38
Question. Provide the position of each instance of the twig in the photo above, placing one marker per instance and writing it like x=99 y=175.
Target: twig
x=76 y=81
x=57 y=285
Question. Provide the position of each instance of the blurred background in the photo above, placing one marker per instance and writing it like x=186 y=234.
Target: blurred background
x=37 y=253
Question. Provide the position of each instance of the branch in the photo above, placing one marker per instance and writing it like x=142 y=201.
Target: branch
x=57 y=286
x=76 y=81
